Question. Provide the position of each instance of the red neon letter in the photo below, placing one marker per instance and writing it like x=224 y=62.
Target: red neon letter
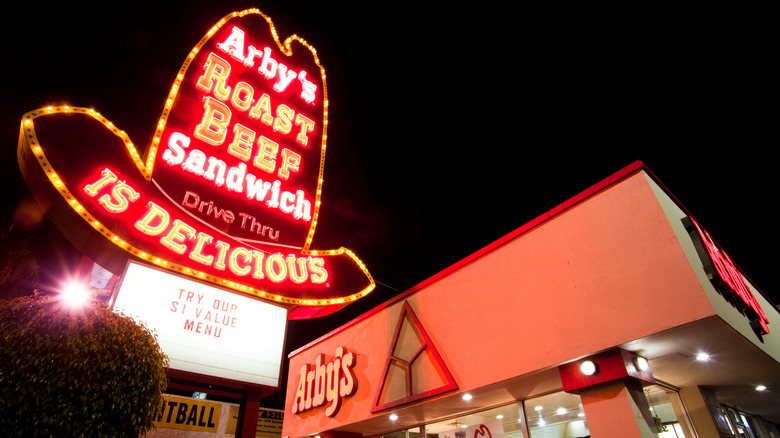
x=121 y=192
x=223 y=249
x=173 y=240
x=276 y=261
x=197 y=252
x=174 y=155
x=233 y=261
x=108 y=178
x=242 y=96
x=213 y=127
x=262 y=110
x=234 y=44
x=317 y=267
x=307 y=126
x=290 y=161
x=215 y=77
x=266 y=154
x=300 y=275
x=243 y=140
x=155 y=214
x=283 y=122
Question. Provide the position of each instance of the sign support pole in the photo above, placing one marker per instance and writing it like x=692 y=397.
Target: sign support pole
x=248 y=413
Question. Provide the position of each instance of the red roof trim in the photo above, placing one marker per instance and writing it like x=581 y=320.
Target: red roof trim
x=611 y=180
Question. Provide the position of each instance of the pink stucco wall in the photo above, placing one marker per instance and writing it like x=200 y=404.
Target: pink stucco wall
x=607 y=270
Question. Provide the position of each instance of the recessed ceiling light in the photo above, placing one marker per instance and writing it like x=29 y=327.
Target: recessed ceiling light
x=702 y=357
x=499 y=416
x=467 y=397
x=393 y=417
x=561 y=411
x=760 y=388
x=641 y=363
x=538 y=408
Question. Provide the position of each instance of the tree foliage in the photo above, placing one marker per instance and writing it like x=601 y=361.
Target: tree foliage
x=19 y=267
x=71 y=372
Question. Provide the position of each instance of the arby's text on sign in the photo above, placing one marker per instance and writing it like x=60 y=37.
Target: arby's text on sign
x=228 y=188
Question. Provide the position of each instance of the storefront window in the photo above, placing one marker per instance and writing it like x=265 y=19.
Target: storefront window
x=663 y=413
x=415 y=433
x=398 y=434
x=557 y=415
x=742 y=423
x=508 y=417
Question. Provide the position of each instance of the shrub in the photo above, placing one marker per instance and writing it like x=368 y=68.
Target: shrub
x=76 y=372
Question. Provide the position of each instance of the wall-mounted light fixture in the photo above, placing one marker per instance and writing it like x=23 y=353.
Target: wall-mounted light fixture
x=588 y=368
x=641 y=363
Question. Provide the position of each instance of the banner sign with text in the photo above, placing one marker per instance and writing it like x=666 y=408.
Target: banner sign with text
x=204 y=329
x=209 y=418
x=188 y=414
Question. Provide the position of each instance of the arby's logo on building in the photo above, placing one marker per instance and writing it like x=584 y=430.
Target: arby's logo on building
x=228 y=188
x=727 y=272
x=324 y=384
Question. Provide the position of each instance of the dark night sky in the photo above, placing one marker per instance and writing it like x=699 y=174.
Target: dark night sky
x=450 y=127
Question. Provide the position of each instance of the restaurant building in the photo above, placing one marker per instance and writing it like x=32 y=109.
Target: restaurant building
x=613 y=315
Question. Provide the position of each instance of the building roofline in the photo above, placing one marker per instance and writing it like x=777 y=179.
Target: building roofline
x=615 y=178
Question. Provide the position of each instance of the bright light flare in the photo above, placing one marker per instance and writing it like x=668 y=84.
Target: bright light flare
x=702 y=357
x=75 y=294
